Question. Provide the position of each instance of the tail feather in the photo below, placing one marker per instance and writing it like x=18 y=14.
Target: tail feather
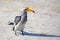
x=11 y=23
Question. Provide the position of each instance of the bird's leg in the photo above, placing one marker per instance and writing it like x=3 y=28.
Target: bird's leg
x=13 y=28
x=22 y=32
x=16 y=33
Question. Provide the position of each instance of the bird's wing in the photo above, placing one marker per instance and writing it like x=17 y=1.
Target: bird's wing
x=17 y=19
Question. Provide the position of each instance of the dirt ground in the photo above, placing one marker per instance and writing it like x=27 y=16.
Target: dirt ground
x=43 y=25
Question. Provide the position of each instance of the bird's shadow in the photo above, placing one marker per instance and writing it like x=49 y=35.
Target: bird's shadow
x=39 y=35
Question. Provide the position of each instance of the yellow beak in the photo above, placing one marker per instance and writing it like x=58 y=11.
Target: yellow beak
x=30 y=10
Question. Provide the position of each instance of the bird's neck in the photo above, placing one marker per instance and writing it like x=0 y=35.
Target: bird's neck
x=24 y=13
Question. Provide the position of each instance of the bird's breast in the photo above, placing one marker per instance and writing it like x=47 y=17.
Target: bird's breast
x=24 y=19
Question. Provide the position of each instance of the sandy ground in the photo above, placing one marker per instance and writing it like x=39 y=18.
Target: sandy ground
x=43 y=25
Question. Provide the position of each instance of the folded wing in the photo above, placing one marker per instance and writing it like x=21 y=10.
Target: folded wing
x=17 y=19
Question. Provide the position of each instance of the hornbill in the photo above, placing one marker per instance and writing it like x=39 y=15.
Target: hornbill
x=20 y=21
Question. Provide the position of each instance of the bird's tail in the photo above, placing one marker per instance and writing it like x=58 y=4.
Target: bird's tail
x=11 y=23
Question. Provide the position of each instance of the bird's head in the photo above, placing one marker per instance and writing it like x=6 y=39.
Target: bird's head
x=28 y=9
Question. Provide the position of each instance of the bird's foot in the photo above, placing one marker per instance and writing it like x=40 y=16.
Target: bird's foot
x=16 y=33
x=22 y=32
